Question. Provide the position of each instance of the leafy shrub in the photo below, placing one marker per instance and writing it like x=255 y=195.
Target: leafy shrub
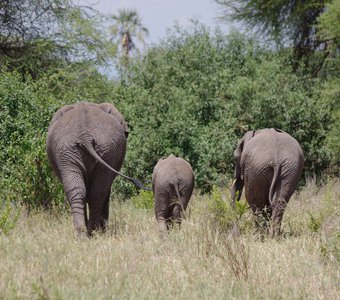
x=26 y=109
x=9 y=215
x=330 y=95
x=222 y=214
x=194 y=95
x=314 y=223
x=144 y=200
x=198 y=92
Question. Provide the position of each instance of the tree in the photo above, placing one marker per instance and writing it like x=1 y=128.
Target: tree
x=287 y=21
x=197 y=93
x=329 y=30
x=35 y=35
x=128 y=25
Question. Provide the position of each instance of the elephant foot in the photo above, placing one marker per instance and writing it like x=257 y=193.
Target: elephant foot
x=79 y=225
x=82 y=231
x=262 y=220
x=162 y=226
x=274 y=231
x=175 y=224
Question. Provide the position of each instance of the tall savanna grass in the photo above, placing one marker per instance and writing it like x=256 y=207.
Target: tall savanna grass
x=213 y=256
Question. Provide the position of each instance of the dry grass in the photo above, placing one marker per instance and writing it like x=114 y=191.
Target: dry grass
x=42 y=259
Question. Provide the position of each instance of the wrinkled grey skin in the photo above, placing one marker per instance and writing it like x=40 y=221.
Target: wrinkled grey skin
x=84 y=141
x=269 y=164
x=172 y=185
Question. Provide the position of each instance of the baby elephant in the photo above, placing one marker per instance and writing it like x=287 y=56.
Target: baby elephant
x=172 y=185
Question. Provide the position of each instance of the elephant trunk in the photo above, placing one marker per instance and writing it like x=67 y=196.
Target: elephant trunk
x=236 y=190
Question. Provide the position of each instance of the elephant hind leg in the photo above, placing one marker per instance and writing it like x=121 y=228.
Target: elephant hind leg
x=99 y=198
x=262 y=219
x=163 y=225
x=283 y=192
x=105 y=214
x=76 y=195
x=177 y=214
x=98 y=215
x=162 y=211
x=257 y=198
x=278 y=208
x=178 y=211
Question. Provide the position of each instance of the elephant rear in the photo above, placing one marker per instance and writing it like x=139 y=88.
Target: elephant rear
x=172 y=184
x=272 y=163
x=269 y=164
x=83 y=141
x=84 y=123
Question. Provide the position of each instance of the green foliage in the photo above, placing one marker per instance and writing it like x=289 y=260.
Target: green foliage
x=292 y=23
x=144 y=200
x=329 y=30
x=198 y=92
x=221 y=212
x=128 y=26
x=194 y=95
x=26 y=108
x=314 y=223
x=329 y=25
x=37 y=36
x=330 y=95
x=9 y=215
x=79 y=82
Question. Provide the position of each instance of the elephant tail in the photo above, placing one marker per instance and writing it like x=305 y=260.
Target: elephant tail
x=90 y=149
x=175 y=186
x=273 y=184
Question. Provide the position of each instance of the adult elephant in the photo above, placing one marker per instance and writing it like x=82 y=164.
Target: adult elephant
x=86 y=146
x=269 y=164
x=172 y=185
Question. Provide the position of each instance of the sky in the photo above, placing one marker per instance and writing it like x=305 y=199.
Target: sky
x=159 y=15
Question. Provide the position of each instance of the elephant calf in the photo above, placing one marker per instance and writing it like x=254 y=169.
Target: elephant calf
x=172 y=185
x=269 y=164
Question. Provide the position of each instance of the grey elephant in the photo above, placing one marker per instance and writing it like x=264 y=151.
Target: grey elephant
x=172 y=185
x=269 y=164
x=86 y=146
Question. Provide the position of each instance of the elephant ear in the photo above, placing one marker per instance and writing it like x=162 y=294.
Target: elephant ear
x=238 y=152
x=112 y=110
x=237 y=156
x=60 y=113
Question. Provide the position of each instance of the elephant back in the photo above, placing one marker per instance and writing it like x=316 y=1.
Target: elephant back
x=83 y=123
x=172 y=169
x=271 y=147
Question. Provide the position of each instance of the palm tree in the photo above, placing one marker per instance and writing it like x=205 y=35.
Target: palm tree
x=128 y=25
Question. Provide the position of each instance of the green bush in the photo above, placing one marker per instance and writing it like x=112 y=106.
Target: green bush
x=194 y=95
x=144 y=200
x=26 y=108
x=198 y=92
x=314 y=223
x=9 y=215
x=221 y=213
